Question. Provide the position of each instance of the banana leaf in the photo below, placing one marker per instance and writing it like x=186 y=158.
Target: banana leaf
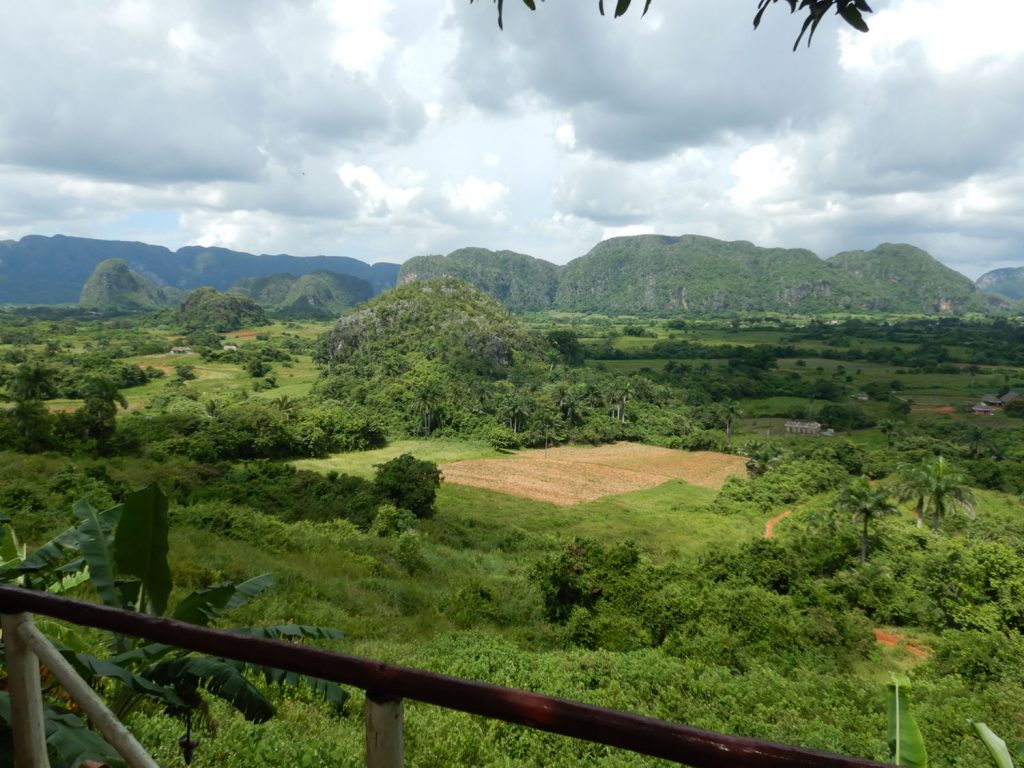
x=205 y=605
x=905 y=741
x=89 y=666
x=221 y=678
x=996 y=746
x=94 y=544
x=140 y=547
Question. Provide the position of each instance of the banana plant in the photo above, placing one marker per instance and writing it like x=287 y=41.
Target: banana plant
x=906 y=743
x=122 y=553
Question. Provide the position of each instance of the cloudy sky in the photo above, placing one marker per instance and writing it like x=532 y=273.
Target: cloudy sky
x=383 y=129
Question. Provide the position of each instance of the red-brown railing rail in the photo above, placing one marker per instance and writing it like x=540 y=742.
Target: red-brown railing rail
x=387 y=685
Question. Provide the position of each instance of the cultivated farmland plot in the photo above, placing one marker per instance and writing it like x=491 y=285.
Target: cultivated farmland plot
x=570 y=475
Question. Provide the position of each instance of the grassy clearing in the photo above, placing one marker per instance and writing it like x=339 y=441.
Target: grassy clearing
x=665 y=521
x=362 y=463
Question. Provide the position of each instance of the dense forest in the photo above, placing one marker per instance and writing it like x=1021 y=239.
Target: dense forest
x=340 y=478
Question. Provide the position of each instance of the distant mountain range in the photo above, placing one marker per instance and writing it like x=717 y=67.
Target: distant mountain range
x=646 y=273
x=656 y=273
x=53 y=270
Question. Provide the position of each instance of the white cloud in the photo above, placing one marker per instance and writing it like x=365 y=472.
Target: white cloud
x=951 y=35
x=378 y=198
x=360 y=44
x=565 y=135
x=627 y=231
x=478 y=196
x=761 y=171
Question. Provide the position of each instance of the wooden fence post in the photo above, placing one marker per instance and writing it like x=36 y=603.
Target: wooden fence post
x=384 y=736
x=105 y=721
x=26 y=695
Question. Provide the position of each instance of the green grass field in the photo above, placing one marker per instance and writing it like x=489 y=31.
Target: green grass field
x=362 y=463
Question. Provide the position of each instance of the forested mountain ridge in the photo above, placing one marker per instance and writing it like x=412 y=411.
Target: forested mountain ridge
x=113 y=285
x=53 y=270
x=639 y=274
x=695 y=274
x=522 y=283
x=321 y=293
x=1008 y=281
x=691 y=273
x=901 y=277
x=701 y=274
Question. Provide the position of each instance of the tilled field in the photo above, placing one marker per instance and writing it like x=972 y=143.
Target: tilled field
x=569 y=475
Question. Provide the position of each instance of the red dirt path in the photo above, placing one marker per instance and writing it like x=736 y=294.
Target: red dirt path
x=769 y=526
x=892 y=640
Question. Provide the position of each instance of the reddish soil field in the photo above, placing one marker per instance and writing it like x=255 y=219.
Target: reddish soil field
x=893 y=640
x=570 y=475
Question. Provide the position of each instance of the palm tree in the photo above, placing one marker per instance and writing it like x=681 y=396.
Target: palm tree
x=289 y=406
x=977 y=439
x=101 y=397
x=947 y=491
x=730 y=410
x=761 y=454
x=890 y=428
x=912 y=485
x=32 y=381
x=938 y=487
x=864 y=503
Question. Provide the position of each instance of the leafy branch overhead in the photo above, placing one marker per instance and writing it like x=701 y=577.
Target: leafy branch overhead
x=851 y=11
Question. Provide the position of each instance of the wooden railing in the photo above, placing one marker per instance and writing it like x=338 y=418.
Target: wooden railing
x=386 y=687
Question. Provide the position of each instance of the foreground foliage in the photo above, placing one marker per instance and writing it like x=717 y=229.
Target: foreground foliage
x=122 y=554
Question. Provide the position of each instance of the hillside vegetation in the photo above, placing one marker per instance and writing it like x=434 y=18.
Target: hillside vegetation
x=206 y=309
x=316 y=483
x=690 y=274
x=320 y=294
x=901 y=278
x=653 y=273
x=520 y=282
x=113 y=285
x=645 y=274
x=1009 y=282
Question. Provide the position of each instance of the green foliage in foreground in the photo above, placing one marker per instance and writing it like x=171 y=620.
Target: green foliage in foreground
x=670 y=627
x=122 y=553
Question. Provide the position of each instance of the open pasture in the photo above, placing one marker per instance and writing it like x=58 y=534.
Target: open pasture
x=570 y=475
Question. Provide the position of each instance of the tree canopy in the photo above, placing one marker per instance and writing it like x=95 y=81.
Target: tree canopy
x=851 y=11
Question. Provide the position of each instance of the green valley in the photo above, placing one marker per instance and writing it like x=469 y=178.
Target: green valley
x=600 y=528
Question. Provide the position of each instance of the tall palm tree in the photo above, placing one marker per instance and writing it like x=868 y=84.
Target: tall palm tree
x=938 y=487
x=730 y=409
x=864 y=503
x=947 y=491
x=912 y=485
x=32 y=381
x=890 y=428
x=976 y=439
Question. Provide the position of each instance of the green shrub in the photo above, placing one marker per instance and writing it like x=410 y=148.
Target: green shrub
x=390 y=520
x=409 y=483
x=409 y=552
